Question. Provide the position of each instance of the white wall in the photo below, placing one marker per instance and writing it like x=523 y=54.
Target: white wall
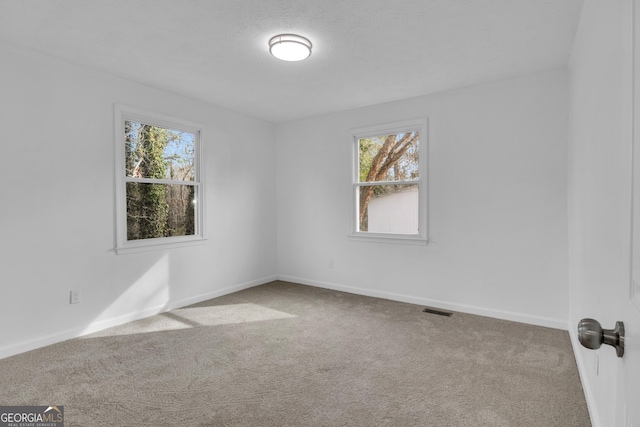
x=57 y=205
x=600 y=186
x=497 y=203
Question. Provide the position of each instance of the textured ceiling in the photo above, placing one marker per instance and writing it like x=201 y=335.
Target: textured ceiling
x=365 y=51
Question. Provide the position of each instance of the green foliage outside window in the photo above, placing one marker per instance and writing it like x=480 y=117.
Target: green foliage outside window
x=162 y=209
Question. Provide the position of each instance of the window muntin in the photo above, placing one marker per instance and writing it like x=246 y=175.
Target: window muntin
x=159 y=190
x=389 y=182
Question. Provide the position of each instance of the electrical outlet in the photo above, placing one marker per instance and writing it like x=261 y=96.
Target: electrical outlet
x=331 y=263
x=75 y=297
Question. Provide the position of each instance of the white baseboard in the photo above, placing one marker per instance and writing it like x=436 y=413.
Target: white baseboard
x=42 y=341
x=584 y=380
x=37 y=342
x=463 y=308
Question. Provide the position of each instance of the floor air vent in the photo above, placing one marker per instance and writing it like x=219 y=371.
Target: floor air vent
x=437 y=311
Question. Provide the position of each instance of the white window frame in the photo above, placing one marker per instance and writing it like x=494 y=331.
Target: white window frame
x=124 y=246
x=420 y=238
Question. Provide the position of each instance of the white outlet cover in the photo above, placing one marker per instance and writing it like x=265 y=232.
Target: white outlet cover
x=74 y=297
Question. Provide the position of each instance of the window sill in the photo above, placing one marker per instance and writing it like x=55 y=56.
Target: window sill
x=157 y=245
x=389 y=238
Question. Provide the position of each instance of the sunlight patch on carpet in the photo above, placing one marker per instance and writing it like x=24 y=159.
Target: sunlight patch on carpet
x=195 y=317
x=228 y=314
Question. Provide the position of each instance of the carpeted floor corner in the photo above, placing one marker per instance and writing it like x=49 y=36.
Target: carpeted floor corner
x=284 y=354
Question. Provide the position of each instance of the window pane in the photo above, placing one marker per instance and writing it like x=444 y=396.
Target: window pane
x=389 y=209
x=159 y=210
x=388 y=157
x=156 y=152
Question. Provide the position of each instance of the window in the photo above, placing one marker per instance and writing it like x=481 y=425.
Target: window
x=389 y=183
x=159 y=194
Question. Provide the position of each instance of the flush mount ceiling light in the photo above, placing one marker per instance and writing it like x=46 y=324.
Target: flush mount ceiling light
x=290 y=47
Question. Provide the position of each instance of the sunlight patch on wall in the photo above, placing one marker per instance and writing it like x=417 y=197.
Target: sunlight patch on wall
x=149 y=291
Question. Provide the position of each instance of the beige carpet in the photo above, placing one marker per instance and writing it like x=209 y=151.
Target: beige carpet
x=283 y=354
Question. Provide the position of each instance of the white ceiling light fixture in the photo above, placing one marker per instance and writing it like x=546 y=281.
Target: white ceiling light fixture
x=290 y=47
